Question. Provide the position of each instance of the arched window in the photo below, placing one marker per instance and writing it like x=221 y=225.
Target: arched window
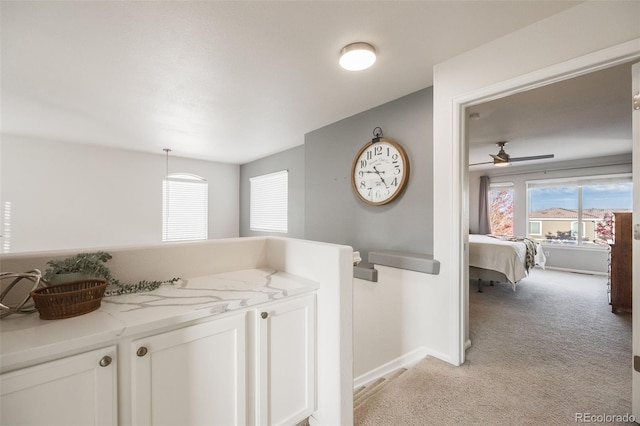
x=184 y=207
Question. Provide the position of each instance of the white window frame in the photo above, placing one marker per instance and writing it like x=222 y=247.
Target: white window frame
x=185 y=205
x=574 y=230
x=537 y=222
x=269 y=202
x=579 y=182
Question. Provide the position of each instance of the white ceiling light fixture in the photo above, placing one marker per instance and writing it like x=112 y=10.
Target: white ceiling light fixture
x=357 y=56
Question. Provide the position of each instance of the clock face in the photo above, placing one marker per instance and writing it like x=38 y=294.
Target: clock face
x=380 y=172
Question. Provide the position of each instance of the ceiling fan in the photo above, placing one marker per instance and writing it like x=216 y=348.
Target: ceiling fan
x=504 y=159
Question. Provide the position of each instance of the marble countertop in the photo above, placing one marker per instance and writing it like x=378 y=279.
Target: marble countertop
x=26 y=339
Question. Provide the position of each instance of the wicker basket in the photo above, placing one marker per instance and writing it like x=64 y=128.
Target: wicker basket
x=70 y=299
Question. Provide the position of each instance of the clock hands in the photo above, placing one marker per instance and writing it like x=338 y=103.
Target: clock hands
x=380 y=176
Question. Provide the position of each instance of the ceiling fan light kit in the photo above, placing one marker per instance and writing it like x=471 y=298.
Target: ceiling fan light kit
x=502 y=159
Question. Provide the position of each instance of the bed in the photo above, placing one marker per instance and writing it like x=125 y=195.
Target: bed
x=502 y=259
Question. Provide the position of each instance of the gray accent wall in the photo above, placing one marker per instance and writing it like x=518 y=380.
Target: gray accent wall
x=291 y=160
x=322 y=204
x=333 y=213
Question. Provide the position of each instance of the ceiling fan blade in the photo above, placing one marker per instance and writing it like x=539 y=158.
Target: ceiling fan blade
x=499 y=158
x=534 y=157
x=477 y=164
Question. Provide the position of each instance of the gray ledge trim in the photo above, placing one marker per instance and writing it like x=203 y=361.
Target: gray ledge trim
x=365 y=271
x=406 y=260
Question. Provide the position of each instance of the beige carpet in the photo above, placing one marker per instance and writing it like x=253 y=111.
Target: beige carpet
x=539 y=356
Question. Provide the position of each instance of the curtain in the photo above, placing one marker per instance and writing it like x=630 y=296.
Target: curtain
x=483 y=213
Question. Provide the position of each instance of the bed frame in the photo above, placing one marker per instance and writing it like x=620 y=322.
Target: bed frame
x=481 y=274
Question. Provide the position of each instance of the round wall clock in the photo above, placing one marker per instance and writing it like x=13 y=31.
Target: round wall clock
x=380 y=171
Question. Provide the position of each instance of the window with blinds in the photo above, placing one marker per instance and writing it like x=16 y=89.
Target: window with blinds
x=184 y=208
x=269 y=199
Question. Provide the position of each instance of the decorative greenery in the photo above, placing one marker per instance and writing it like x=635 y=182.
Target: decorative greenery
x=91 y=264
x=143 y=285
x=94 y=265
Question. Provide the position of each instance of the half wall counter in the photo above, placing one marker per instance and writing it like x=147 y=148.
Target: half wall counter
x=237 y=285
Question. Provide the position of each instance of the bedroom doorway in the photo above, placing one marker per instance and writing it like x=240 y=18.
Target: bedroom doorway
x=468 y=122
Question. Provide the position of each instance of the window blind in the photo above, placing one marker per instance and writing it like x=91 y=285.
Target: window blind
x=500 y=184
x=184 y=208
x=269 y=202
x=581 y=181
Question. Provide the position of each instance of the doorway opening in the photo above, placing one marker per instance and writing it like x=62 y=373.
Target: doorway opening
x=568 y=74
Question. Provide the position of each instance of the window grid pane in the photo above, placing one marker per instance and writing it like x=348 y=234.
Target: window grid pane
x=185 y=209
x=269 y=202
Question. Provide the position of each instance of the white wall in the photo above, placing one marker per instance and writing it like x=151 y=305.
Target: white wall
x=389 y=322
x=72 y=196
x=510 y=63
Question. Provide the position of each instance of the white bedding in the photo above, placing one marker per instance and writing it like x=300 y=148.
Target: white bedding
x=491 y=253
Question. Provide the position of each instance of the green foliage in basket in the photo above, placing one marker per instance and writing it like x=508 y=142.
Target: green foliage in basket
x=94 y=265
x=90 y=264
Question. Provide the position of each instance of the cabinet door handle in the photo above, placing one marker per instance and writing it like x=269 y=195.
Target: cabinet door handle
x=264 y=315
x=142 y=351
x=105 y=361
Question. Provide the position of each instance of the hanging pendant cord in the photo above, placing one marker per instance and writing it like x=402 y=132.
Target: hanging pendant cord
x=167 y=150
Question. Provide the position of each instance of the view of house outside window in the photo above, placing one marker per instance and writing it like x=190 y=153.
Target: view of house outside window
x=501 y=209
x=577 y=212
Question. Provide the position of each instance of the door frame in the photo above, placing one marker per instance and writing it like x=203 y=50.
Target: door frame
x=586 y=64
x=635 y=245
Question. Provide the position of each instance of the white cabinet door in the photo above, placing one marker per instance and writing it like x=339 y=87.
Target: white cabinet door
x=285 y=364
x=192 y=376
x=77 y=390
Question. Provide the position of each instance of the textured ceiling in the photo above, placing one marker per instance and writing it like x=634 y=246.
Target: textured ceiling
x=583 y=117
x=225 y=81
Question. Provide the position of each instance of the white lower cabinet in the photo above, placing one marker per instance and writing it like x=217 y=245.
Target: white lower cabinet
x=191 y=376
x=195 y=375
x=285 y=362
x=76 y=390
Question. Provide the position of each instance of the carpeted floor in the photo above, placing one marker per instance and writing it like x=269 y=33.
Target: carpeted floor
x=539 y=356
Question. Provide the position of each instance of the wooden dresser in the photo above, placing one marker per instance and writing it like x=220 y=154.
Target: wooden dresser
x=621 y=266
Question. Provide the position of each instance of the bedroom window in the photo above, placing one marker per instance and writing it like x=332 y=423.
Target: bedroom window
x=561 y=204
x=501 y=208
x=184 y=207
x=269 y=202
